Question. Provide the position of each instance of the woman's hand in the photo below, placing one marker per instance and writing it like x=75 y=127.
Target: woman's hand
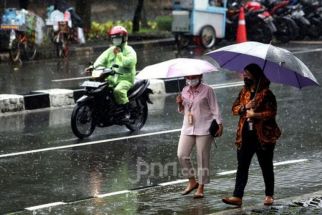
x=251 y=104
x=116 y=50
x=179 y=100
x=250 y=113
x=220 y=130
x=88 y=70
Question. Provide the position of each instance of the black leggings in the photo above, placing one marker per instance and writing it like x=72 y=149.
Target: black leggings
x=245 y=154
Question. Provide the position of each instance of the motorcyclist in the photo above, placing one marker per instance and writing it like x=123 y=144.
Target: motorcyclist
x=124 y=56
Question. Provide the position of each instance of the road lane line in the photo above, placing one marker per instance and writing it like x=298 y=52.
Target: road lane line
x=88 y=143
x=112 y=194
x=71 y=79
x=274 y=164
x=226 y=85
x=173 y=182
x=307 y=51
x=227 y=172
x=45 y=206
x=289 y=162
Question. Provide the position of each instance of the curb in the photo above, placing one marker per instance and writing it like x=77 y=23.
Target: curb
x=281 y=206
x=77 y=49
x=57 y=98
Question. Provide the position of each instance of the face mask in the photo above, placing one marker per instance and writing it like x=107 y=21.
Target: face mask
x=117 y=41
x=192 y=82
x=248 y=82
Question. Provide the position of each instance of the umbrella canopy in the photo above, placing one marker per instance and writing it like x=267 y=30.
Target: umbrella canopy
x=178 y=67
x=278 y=64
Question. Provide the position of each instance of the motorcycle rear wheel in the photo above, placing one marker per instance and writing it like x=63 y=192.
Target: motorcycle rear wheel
x=284 y=31
x=29 y=50
x=208 y=37
x=260 y=32
x=139 y=115
x=15 y=51
x=82 y=121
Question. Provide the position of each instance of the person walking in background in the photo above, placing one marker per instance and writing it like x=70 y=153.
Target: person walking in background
x=257 y=132
x=199 y=105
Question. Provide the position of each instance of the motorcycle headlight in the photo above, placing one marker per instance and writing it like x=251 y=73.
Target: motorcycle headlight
x=96 y=73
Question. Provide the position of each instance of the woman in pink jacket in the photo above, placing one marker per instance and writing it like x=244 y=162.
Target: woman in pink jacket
x=199 y=105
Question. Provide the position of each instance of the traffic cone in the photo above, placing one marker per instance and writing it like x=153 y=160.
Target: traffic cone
x=241 y=30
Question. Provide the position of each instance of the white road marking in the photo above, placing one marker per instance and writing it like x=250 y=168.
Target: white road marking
x=275 y=164
x=173 y=182
x=307 y=51
x=226 y=85
x=71 y=79
x=289 y=162
x=112 y=194
x=227 y=172
x=87 y=143
x=45 y=206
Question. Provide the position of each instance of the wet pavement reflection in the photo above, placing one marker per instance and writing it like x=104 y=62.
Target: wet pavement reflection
x=78 y=174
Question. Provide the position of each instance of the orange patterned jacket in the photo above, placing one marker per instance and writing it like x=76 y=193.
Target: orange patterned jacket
x=266 y=127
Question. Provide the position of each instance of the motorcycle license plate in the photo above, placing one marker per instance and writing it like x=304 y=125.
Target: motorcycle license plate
x=94 y=84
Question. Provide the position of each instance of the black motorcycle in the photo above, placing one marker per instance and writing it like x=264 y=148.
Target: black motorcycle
x=98 y=107
x=259 y=27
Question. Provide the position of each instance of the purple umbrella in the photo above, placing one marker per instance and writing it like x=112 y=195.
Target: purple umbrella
x=278 y=64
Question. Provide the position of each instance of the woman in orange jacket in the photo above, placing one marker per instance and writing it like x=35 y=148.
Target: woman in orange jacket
x=257 y=132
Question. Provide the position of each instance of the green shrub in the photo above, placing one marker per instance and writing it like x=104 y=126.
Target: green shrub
x=99 y=30
x=164 y=23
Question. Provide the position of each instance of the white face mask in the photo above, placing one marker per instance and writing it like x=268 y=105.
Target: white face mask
x=117 y=41
x=192 y=82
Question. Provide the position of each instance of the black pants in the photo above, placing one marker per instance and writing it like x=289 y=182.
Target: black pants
x=245 y=154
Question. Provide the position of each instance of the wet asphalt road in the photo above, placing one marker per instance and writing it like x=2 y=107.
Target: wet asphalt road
x=42 y=162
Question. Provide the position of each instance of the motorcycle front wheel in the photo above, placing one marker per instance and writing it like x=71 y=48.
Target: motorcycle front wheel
x=139 y=115
x=15 y=52
x=82 y=121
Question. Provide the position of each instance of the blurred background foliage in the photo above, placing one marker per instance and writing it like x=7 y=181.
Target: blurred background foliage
x=99 y=30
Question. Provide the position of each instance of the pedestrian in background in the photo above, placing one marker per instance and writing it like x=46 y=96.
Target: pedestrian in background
x=199 y=105
x=257 y=132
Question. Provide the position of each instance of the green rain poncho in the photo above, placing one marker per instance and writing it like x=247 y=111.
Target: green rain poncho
x=126 y=60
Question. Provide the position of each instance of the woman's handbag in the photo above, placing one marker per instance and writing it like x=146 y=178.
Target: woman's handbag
x=213 y=128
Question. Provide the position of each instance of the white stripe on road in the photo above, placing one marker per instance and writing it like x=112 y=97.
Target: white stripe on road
x=226 y=85
x=275 y=164
x=307 y=51
x=87 y=143
x=45 y=206
x=173 y=182
x=290 y=162
x=112 y=194
x=227 y=172
x=71 y=79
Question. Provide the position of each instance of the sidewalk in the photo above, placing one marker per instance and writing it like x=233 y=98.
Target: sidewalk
x=306 y=204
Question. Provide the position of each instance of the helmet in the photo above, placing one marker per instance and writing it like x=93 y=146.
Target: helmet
x=118 y=31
